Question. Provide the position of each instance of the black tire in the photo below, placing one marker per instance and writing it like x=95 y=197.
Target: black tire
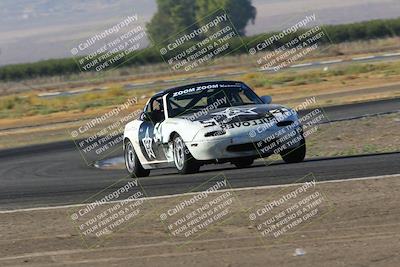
x=243 y=163
x=132 y=163
x=184 y=161
x=295 y=155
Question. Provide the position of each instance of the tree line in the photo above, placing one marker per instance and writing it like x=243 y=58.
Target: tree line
x=368 y=30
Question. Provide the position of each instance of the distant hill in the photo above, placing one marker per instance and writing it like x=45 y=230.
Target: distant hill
x=32 y=30
x=273 y=14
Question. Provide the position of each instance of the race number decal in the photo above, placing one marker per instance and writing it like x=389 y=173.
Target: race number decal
x=150 y=146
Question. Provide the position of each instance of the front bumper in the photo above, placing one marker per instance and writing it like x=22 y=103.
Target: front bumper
x=247 y=145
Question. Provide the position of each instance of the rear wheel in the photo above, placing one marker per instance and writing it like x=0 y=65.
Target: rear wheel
x=132 y=163
x=184 y=161
x=295 y=155
x=243 y=163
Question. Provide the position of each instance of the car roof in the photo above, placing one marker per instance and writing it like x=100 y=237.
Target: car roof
x=179 y=88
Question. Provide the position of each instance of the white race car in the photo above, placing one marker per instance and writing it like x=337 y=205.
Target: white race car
x=212 y=122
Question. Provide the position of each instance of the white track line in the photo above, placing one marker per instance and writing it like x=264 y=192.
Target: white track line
x=363 y=58
x=49 y=94
x=303 y=65
x=391 y=55
x=236 y=73
x=195 y=193
x=331 y=61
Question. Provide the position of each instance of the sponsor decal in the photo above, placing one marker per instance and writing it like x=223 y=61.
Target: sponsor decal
x=280 y=112
x=204 y=87
x=240 y=124
x=195 y=89
x=271 y=116
x=231 y=113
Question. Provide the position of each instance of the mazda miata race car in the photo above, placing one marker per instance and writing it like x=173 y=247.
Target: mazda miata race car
x=212 y=122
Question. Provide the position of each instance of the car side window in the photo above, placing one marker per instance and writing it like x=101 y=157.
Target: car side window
x=155 y=109
x=245 y=99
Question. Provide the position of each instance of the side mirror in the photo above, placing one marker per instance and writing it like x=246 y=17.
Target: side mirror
x=266 y=99
x=145 y=116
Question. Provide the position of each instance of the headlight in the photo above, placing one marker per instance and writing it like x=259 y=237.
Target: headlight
x=284 y=123
x=215 y=133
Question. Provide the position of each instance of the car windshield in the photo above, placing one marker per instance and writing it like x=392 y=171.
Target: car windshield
x=193 y=99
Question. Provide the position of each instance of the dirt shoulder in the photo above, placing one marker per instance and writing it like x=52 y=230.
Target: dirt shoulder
x=357 y=224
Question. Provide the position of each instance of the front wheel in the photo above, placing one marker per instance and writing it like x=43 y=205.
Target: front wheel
x=184 y=161
x=132 y=163
x=295 y=155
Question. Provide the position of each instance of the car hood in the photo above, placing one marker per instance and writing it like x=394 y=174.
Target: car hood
x=230 y=119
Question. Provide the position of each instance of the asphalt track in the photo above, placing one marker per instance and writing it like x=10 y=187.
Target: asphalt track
x=357 y=110
x=55 y=174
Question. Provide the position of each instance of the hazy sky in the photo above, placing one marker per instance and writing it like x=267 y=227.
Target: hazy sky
x=32 y=30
